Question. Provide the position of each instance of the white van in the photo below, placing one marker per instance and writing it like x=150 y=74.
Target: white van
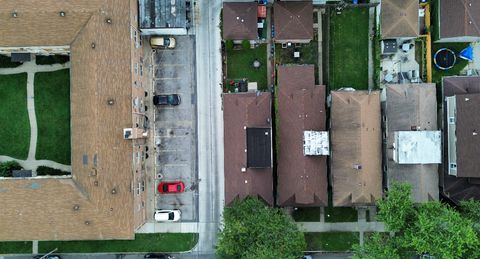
x=167 y=215
x=162 y=42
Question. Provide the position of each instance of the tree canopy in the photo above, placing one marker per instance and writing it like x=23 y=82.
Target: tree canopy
x=433 y=227
x=397 y=209
x=254 y=230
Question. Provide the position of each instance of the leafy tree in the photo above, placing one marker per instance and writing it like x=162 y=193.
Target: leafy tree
x=253 y=230
x=441 y=231
x=471 y=210
x=245 y=44
x=6 y=168
x=396 y=209
x=229 y=44
x=378 y=245
x=432 y=227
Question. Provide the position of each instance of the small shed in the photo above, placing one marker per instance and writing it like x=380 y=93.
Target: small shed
x=21 y=57
x=22 y=173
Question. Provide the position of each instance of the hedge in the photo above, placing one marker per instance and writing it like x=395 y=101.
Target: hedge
x=45 y=170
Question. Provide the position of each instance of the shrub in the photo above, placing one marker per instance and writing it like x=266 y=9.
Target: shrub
x=45 y=170
x=6 y=168
x=245 y=44
x=5 y=62
x=49 y=60
x=229 y=44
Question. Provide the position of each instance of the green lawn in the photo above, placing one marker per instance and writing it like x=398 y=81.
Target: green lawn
x=437 y=74
x=16 y=247
x=307 y=214
x=331 y=241
x=341 y=214
x=348 y=57
x=52 y=107
x=240 y=65
x=308 y=54
x=15 y=130
x=164 y=242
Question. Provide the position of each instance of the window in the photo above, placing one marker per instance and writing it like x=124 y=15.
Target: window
x=141 y=69
x=135 y=68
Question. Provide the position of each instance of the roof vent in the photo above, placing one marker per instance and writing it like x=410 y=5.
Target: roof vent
x=244 y=169
x=467 y=99
x=108 y=20
x=110 y=101
x=14 y=15
x=114 y=191
x=474 y=133
x=87 y=222
x=76 y=207
x=62 y=14
x=92 y=45
x=357 y=166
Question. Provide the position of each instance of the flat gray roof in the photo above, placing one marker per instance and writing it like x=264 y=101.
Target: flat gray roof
x=162 y=14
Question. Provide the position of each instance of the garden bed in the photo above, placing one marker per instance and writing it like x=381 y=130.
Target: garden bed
x=5 y=62
x=50 y=60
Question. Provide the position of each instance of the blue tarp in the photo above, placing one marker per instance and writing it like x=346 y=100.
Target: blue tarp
x=467 y=53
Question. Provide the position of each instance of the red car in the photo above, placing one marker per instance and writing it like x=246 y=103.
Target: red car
x=171 y=187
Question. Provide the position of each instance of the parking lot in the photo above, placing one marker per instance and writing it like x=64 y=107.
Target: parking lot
x=175 y=126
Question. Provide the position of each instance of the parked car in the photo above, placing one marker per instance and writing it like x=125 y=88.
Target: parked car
x=158 y=256
x=167 y=215
x=51 y=256
x=171 y=187
x=162 y=42
x=166 y=99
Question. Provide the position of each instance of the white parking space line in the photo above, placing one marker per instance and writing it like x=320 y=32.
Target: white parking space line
x=167 y=78
x=170 y=65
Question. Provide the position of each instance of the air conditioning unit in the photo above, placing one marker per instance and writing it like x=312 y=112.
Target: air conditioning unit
x=127 y=133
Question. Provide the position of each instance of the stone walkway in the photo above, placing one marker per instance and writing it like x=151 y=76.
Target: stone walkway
x=371 y=33
x=31 y=68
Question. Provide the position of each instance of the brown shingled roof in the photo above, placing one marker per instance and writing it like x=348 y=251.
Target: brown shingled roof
x=97 y=202
x=40 y=24
x=459 y=18
x=399 y=18
x=302 y=180
x=462 y=188
x=410 y=105
x=356 y=148
x=293 y=20
x=241 y=111
x=240 y=21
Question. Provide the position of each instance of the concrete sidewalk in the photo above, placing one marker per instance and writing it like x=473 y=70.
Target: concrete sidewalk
x=175 y=227
x=341 y=227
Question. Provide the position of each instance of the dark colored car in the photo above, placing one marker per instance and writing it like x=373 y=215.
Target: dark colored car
x=166 y=99
x=158 y=256
x=171 y=187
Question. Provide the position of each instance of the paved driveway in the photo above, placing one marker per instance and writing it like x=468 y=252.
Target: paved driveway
x=175 y=134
